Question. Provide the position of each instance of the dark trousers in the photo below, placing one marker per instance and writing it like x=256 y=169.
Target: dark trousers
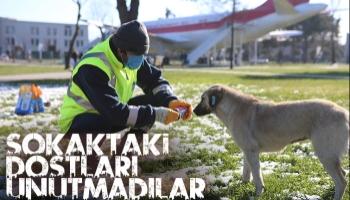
x=95 y=123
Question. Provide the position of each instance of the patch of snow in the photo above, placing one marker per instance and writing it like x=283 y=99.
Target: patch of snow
x=290 y=174
x=315 y=179
x=184 y=129
x=225 y=179
x=212 y=147
x=29 y=124
x=210 y=123
x=181 y=173
x=160 y=126
x=300 y=196
x=7 y=122
x=210 y=178
x=173 y=143
x=268 y=167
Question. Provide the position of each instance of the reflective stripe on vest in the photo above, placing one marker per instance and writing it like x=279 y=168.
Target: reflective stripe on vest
x=81 y=101
x=121 y=79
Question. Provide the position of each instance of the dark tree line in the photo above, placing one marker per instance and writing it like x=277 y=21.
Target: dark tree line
x=318 y=43
x=322 y=30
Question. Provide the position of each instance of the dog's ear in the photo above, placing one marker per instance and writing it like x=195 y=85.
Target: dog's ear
x=212 y=101
x=215 y=96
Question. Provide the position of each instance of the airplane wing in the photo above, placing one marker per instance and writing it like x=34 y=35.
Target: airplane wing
x=165 y=44
x=285 y=33
x=283 y=7
x=172 y=38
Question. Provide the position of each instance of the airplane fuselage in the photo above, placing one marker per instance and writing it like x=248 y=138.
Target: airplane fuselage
x=198 y=31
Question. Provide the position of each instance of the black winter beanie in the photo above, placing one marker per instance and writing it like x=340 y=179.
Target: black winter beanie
x=132 y=36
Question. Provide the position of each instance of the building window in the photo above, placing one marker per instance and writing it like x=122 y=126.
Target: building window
x=10 y=30
x=67 y=31
x=66 y=43
x=54 y=31
x=34 y=30
x=49 y=31
x=81 y=32
x=82 y=43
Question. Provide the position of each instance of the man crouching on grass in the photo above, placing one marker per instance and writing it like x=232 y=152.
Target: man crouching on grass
x=99 y=97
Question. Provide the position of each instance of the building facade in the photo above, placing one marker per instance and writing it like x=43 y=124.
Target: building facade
x=25 y=39
x=347 y=48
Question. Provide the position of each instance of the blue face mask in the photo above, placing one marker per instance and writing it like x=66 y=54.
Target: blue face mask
x=134 y=62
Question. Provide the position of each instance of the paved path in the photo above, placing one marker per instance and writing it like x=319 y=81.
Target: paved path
x=66 y=75
x=266 y=74
x=32 y=77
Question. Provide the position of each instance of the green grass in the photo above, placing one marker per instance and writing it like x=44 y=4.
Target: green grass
x=297 y=170
x=12 y=69
x=270 y=88
x=284 y=182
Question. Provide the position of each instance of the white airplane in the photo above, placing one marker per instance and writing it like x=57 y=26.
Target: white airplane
x=198 y=34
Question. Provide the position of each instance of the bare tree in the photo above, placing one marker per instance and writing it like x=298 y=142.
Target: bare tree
x=125 y=14
x=100 y=15
x=75 y=35
x=316 y=26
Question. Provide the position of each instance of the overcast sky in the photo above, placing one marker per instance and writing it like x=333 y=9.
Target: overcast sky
x=64 y=11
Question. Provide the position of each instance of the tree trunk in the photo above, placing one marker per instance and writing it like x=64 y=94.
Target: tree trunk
x=75 y=35
x=306 y=50
x=333 y=60
x=126 y=15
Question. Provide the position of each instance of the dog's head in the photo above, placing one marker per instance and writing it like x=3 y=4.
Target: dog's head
x=209 y=101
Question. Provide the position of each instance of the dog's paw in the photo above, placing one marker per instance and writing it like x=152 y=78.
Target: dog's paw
x=245 y=180
x=259 y=191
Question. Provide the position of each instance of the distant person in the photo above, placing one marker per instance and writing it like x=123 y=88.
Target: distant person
x=280 y=56
x=165 y=61
x=211 y=60
x=13 y=54
x=99 y=98
x=29 y=56
x=184 y=59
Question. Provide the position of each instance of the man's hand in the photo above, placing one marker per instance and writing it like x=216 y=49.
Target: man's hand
x=176 y=104
x=165 y=115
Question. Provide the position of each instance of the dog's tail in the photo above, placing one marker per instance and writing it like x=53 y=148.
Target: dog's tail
x=348 y=129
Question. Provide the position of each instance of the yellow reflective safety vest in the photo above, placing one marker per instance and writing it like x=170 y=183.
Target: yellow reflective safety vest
x=121 y=78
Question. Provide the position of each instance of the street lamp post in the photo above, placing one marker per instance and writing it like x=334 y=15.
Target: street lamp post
x=232 y=35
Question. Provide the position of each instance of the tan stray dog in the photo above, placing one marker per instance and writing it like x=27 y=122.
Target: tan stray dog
x=258 y=126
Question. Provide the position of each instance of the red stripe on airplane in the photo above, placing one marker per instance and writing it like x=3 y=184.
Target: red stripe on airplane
x=240 y=17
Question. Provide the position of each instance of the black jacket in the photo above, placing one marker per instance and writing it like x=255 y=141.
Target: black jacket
x=94 y=83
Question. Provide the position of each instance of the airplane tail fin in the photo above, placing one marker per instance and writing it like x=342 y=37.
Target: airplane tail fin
x=283 y=7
